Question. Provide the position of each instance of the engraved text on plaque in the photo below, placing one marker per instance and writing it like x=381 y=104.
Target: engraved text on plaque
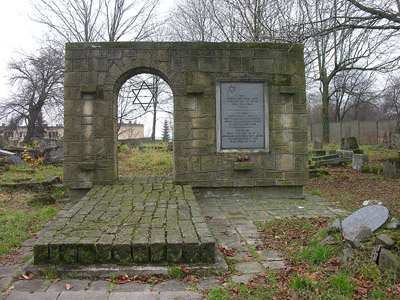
x=242 y=115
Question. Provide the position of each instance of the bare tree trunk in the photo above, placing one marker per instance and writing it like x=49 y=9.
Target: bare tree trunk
x=325 y=113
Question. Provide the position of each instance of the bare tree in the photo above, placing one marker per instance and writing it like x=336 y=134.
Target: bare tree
x=97 y=20
x=38 y=80
x=391 y=97
x=338 y=51
x=352 y=93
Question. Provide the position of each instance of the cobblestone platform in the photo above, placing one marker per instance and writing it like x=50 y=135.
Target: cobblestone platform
x=137 y=221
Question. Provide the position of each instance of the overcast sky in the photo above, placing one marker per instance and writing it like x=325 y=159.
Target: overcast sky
x=21 y=35
x=18 y=34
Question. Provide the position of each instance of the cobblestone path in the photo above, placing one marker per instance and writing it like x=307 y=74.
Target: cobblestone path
x=231 y=216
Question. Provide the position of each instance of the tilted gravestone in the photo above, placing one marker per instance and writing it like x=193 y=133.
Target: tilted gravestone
x=372 y=216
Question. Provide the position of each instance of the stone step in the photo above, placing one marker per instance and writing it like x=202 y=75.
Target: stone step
x=325 y=157
x=129 y=224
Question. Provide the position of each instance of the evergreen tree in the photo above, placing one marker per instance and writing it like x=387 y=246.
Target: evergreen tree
x=165 y=136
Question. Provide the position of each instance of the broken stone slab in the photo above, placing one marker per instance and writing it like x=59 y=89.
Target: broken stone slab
x=393 y=224
x=388 y=261
x=6 y=153
x=345 y=154
x=359 y=234
x=391 y=167
x=332 y=162
x=384 y=240
x=53 y=179
x=317 y=144
x=16 y=160
x=335 y=226
x=359 y=160
x=325 y=157
x=372 y=216
x=349 y=143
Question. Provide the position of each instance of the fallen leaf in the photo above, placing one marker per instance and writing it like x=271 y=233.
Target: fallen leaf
x=68 y=286
x=25 y=277
x=10 y=289
x=31 y=276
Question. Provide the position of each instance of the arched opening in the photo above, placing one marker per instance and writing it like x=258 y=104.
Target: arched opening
x=145 y=125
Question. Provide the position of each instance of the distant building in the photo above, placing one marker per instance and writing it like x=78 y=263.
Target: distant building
x=126 y=132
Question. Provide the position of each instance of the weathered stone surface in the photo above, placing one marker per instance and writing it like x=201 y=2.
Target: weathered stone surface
x=384 y=240
x=349 y=143
x=133 y=222
x=359 y=234
x=373 y=216
x=335 y=226
x=194 y=70
x=389 y=261
x=359 y=160
x=393 y=224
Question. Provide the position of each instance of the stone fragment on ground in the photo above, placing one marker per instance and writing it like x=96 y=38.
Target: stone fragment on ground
x=384 y=240
x=372 y=216
x=359 y=234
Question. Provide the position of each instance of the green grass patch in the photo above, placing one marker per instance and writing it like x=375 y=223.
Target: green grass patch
x=152 y=162
x=17 y=226
x=27 y=173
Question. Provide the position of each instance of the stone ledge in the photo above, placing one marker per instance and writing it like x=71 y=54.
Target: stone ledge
x=128 y=224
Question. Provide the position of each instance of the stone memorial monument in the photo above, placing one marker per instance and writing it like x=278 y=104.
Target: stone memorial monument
x=239 y=112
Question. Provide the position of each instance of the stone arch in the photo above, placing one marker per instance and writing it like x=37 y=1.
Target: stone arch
x=196 y=73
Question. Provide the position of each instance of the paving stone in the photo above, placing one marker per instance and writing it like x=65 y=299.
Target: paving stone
x=133 y=295
x=33 y=296
x=172 y=285
x=4 y=282
x=269 y=255
x=99 y=286
x=243 y=278
x=187 y=295
x=77 y=285
x=31 y=286
x=131 y=287
x=83 y=295
x=8 y=270
x=274 y=264
x=207 y=283
x=249 y=267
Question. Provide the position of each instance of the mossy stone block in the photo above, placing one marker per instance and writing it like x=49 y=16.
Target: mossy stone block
x=86 y=254
x=290 y=90
x=88 y=88
x=122 y=253
x=207 y=250
x=54 y=254
x=195 y=89
x=243 y=166
x=157 y=252
x=103 y=253
x=69 y=254
x=87 y=166
x=40 y=254
x=140 y=253
x=174 y=253
x=191 y=252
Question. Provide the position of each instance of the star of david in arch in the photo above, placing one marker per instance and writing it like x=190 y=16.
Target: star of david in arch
x=151 y=89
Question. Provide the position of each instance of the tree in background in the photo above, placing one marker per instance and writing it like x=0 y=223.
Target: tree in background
x=165 y=133
x=38 y=81
x=97 y=20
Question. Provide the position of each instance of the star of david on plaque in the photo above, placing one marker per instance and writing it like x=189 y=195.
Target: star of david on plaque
x=231 y=89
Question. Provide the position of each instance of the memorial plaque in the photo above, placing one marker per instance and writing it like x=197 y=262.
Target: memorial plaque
x=242 y=115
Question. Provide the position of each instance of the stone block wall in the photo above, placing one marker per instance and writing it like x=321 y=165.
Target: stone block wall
x=96 y=71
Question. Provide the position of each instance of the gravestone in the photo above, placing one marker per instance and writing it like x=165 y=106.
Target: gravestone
x=372 y=216
x=349 y=143
x=317 y=144
x=359 y=160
